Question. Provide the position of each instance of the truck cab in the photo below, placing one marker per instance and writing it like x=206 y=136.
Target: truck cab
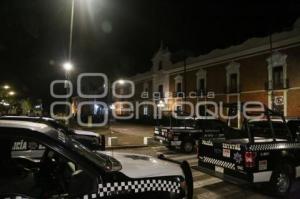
x=258 y=156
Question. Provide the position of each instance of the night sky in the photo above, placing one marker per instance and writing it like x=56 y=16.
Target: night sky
x=119 y=37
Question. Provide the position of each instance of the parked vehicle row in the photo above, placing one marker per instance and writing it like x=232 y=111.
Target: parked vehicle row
x=265 y=150
x=184 y=137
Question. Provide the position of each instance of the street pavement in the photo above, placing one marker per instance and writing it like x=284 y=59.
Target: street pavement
x=205 y=186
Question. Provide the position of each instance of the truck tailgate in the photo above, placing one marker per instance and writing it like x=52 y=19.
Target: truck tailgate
x=223 y=160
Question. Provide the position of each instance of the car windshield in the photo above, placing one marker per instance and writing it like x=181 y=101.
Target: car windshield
x=57 y=125
x=104 y=161
x=263 y=129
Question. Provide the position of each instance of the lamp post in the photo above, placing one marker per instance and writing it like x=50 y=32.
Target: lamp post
x=68 y=67
x=159 y=105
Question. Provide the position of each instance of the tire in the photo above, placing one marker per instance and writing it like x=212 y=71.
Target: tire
x=189 y=191
x=188 y=146
x=282 y=180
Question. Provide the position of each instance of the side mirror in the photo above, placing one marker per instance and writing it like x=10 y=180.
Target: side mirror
x=81 y=183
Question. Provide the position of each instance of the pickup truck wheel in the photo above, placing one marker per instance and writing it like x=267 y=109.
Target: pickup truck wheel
x=282 y=179
x=187 y=146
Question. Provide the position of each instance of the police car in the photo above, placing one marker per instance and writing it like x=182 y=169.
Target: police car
x=261 y=155
x=67 y=169
x=89 y=139
x=185 y=135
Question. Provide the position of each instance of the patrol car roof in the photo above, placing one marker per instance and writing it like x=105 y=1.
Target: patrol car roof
x=39 y=127
x=26 y=117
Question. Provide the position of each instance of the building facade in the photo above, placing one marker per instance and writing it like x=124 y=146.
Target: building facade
x=251 y=71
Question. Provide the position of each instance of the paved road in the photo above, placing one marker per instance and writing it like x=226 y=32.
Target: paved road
x=205 y=186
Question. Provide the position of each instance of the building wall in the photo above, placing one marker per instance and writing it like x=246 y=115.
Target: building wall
x=253 y=78
x=253 y=73
x=293 y=66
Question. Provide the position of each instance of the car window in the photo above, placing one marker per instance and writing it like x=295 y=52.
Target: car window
x=27 y=148
x=263 y=129
x=30 y=168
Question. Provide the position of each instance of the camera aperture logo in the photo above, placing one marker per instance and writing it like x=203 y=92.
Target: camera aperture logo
x=102 y=103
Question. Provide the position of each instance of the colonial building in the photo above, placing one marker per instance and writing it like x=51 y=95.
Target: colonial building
x=256 y=70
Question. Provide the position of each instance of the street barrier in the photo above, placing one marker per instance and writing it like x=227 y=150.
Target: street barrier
x=112 y=141
x=148 y=140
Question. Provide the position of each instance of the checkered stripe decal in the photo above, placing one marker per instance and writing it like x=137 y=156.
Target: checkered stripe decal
x=263 y=147
x=135 y=186
x=221 y=163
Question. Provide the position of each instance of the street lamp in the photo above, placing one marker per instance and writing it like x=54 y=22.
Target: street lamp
x=121 y=81
x=68 y=66
x=11 y=93
x=6 y=87
x=161 y=104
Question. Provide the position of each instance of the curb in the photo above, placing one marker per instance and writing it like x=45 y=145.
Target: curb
x=127 y=147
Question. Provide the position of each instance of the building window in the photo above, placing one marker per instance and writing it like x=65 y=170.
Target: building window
x=179 y=87
x=233 y=78
x=233 y=83
x=277 y=69
x=201 y=83
x=159 y=65
x=145 y=110
x=161 y=91
x=278 y=77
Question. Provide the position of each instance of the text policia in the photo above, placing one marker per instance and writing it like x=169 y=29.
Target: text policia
x=212 y=108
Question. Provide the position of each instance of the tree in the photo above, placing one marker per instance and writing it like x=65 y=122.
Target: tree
x=26 y=106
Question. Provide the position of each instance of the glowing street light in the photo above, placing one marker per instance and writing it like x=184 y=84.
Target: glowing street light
x=67 y=66
x=11 y=93
x=161 y=104
x=121 y=81
x=6 y=87
x=112 y=107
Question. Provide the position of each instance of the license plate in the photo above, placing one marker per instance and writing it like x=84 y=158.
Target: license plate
x=219 y=169
x=226 y=153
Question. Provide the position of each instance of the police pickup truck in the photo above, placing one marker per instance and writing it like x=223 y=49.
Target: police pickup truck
x=89 y=139
x=184 y=137
x=67 y=169
x=261 y=156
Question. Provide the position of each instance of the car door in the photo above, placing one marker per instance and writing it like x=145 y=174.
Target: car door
x=47 y=174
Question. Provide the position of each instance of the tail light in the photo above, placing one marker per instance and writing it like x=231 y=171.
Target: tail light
x=250 y=159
